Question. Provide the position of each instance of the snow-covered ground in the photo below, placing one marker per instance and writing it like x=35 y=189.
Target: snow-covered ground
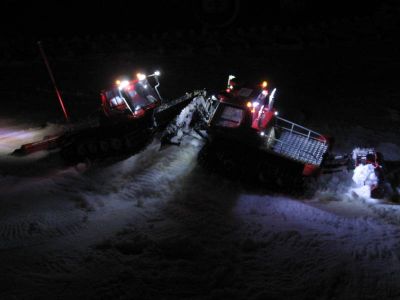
x=156 y=225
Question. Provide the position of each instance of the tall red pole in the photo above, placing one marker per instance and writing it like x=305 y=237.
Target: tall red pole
x=53 y=81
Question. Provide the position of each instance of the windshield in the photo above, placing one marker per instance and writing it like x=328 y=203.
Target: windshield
x=230 y=117
x=141 y=94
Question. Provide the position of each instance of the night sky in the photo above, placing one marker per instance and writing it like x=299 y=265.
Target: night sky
x=54 y=18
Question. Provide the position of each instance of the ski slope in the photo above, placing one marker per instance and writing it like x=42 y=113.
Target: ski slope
x=157 y=225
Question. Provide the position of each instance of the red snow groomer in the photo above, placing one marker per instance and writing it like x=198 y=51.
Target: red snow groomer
x=131 y=112
x=247 y=138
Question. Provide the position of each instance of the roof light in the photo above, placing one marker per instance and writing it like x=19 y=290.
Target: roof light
x=118 y=82
x=157 y=73
x=248 y=104
x=264 y=84
x=276 y=113
x=141 y=76
x=123 y=84
x=262 y=133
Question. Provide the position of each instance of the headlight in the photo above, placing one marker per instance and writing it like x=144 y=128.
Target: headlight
x=123 y=84
x=141 y=76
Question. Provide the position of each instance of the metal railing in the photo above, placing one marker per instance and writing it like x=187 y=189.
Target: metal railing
x=301 y=154
x=298 y=129
x=299 y=151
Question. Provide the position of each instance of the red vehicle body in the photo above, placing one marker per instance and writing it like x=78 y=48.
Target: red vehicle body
x=246 y=136
x=129 y=99
x=131 y=112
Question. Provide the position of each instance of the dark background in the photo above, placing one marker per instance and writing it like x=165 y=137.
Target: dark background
x=322 y=49
x=44 y=18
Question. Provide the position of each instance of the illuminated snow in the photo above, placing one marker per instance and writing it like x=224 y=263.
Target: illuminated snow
x=365 y=175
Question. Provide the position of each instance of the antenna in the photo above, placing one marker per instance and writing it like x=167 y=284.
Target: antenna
x=271 y=99
x=229 y=80
x=46 y=62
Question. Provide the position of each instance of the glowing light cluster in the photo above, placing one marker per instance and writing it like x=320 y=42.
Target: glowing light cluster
x=141 y=76
x=252 y=104
x=122 y=84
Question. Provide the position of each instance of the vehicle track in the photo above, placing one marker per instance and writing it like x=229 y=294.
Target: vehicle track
x=36 y=229
x=65 y=204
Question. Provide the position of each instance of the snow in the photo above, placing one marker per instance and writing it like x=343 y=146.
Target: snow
x=158 y=219
x=13 y=135
x=365 y=175
x=180 y=127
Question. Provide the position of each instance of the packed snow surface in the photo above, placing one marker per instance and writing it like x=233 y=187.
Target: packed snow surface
x=157 y=225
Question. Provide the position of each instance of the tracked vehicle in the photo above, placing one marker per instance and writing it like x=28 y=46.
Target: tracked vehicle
x=132 y=111
x=247 y=139
x=244 y=136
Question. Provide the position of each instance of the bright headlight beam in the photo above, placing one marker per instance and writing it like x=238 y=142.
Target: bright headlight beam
x=141 y=76
x=122 y=84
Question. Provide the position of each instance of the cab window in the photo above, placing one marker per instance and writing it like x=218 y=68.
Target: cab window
x=230 y=117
